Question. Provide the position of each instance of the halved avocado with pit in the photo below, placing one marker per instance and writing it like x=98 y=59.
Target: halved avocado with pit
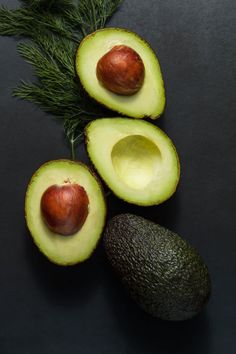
x=149 y=101
x=77 y=247
x=136 y=159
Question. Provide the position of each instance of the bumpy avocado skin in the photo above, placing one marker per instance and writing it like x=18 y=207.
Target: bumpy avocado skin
x=161 y=271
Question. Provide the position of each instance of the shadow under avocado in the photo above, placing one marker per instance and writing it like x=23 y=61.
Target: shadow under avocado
x=65 y=286
x=165 y=214
x=144 y=334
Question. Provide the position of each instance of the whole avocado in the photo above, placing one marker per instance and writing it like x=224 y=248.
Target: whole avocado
x=161 y=271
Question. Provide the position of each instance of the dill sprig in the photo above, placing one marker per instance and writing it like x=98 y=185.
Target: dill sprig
x=54 y=29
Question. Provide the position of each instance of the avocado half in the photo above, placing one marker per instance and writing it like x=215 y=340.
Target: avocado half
x=149 y=101
x=136 y=159
x=65 y=250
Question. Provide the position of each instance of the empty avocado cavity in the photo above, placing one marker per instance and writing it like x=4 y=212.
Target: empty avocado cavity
x=136 y=159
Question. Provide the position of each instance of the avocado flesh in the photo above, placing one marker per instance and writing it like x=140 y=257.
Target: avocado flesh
x=137 y=160
x=65 y=250
x=164 y=275
x=149 y=101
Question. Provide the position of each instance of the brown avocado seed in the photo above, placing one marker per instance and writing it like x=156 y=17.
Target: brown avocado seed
x=64 y=208
x=121 y=70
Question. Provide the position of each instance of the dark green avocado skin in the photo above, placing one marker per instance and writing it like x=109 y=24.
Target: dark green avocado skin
x=161 y=271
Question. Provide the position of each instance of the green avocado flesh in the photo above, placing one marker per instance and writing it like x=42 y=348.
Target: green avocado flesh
x=65 y=250
x=164 y=275
x=137 y=160
x=149 y=101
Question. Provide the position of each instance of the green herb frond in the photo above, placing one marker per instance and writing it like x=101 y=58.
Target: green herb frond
x=15 y=22
x=55 y=29
x=56 y=6
x=28 y=22
x=60 y=50
x=91 y=15
x=44 y=67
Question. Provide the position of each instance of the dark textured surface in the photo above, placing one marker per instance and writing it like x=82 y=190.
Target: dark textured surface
x=160 y=270
x=46 y=309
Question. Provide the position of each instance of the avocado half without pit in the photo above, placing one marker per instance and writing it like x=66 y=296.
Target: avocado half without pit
x=65 y=211
x=136 y=159
x=120 y=70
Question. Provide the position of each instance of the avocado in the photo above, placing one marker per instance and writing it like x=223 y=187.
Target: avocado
x=136 y=159
x=149 y=100
x=64 y=181
x=161 y=271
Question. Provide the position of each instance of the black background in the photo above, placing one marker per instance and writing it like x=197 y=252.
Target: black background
x=84 y=309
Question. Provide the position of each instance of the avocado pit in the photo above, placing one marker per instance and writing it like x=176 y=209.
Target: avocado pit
x=121 y=70
x=64 y=208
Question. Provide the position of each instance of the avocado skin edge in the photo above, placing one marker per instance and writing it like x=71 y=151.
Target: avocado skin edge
x=164 y=275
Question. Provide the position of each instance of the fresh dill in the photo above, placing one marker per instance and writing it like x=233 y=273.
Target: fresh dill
x=54 y=29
